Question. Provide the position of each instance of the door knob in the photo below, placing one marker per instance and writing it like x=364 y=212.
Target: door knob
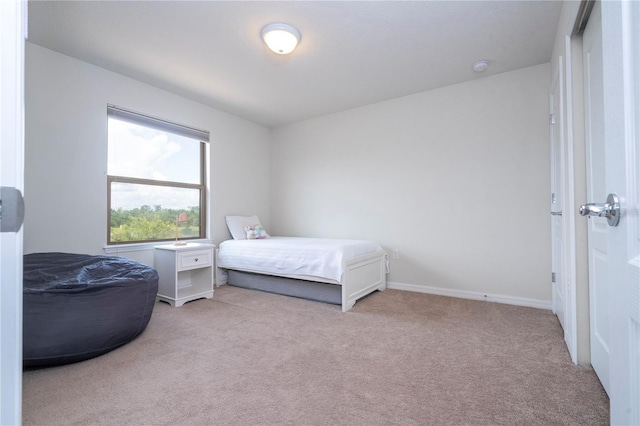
x=11 y=209
x=610 y=210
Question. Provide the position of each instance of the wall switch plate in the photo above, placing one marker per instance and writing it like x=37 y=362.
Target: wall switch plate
x=395 y=254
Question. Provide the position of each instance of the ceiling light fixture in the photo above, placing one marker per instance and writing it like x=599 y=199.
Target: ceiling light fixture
x=280 y=38
x=481 y=66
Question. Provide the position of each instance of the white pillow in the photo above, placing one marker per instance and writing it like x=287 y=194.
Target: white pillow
x=236 y=225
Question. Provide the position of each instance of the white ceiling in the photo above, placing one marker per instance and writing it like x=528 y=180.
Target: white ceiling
x=351 y=53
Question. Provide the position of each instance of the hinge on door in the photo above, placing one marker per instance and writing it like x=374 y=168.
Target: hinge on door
x=553 y=198
x=552 y=119
x=553 y=277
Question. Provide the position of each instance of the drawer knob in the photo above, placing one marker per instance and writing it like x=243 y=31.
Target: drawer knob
x=196 y=259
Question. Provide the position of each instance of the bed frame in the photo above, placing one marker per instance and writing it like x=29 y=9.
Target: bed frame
x=361 y=276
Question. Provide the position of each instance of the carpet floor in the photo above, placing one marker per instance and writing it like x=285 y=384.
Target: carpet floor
x=397 y=358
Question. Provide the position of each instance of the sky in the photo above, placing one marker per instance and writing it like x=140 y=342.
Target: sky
x=141 y=152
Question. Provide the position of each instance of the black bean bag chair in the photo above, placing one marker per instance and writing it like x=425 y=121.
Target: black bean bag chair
x=78 y=306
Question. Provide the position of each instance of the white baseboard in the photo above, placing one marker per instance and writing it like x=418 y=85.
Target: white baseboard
x=462 y=294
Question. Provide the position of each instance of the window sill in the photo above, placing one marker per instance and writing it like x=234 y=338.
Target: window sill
x=124 y=248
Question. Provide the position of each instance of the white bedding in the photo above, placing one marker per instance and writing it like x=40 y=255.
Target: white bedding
x=293 y=256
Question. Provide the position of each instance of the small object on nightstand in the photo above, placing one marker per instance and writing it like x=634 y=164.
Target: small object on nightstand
x=181 y=218
x=185 y=272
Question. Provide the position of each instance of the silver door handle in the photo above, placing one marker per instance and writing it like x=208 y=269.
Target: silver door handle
x=610 y=210
x=556 y=213
x=593 y=209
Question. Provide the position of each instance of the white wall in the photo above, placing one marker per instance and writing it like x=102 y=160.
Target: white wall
x=457 y=179
x=66 y=152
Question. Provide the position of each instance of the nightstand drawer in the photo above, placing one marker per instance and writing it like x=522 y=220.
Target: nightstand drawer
x=194 y=259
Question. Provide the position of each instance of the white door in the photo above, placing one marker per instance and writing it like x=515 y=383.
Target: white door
x=11 y=175
x=597 y=227
x=621 y=45
x=613 y=168
x=559 y=293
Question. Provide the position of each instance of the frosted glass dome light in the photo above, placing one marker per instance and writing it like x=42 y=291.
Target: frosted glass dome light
x=281 y=38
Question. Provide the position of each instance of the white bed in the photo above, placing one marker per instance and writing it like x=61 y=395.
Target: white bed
x=358 y=267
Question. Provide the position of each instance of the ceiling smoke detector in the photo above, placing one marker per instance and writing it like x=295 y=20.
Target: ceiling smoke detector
x=481 y=66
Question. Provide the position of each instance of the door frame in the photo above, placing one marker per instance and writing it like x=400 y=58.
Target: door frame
x=568 y=53
x=562 y=76
x=558 y=263
x=569 y=210
x=593 y=59
x=12 y=36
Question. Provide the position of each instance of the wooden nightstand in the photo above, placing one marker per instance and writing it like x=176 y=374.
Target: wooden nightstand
x=186 y=272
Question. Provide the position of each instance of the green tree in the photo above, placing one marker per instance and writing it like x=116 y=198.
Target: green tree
x=152 y=223
x=142 y=229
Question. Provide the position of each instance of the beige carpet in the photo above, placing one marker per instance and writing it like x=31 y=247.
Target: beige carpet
x=398 y=358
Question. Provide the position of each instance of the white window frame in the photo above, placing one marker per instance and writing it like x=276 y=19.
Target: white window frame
x=165 y=126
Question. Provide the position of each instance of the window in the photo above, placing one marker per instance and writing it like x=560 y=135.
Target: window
x=155 y=179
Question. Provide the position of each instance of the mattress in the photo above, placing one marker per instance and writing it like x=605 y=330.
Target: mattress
x=295 y=257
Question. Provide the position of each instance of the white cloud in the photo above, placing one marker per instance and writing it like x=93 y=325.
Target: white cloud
x=129 y=196
x=136 y=151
